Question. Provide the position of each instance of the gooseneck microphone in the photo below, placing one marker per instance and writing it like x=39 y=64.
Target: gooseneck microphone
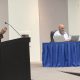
x=13 y=28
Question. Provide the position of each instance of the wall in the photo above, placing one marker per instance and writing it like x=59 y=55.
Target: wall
x=51 y=13
x=74 y=17
x=4 y=17
x=23 y=16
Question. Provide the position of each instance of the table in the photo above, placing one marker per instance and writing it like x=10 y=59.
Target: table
x=61 y=54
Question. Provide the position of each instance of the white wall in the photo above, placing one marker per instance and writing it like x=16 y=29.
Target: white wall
x=23 y=16
x=74 y=17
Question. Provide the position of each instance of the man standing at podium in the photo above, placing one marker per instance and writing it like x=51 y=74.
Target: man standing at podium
x=3 y=30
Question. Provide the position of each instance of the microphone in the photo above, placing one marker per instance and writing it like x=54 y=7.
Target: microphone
x=13 y=29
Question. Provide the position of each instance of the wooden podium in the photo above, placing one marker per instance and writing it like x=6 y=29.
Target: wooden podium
x=15 y=59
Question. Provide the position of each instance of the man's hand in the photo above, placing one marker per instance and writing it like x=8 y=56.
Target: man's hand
x=3 y=30
x=68 y=40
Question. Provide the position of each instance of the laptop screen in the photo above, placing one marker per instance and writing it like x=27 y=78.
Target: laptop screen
x=75 y=38
x=59 y=39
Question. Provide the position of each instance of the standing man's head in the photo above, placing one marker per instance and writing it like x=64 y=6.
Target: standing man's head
x=61 y=28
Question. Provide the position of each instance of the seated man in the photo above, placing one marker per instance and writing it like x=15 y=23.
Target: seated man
x=3 y=30
x=61 y=32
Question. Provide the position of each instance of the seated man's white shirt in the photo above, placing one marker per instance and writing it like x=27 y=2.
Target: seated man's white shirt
x=57 y=33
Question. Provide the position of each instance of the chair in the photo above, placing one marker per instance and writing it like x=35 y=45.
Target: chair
x=51 y=35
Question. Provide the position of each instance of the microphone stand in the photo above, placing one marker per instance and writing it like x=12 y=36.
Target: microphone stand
x=13 y=28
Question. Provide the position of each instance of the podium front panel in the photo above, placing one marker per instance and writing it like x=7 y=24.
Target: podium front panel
x=15 y=60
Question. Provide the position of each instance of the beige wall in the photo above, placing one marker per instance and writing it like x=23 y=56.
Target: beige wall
x=4 y=17
x=52 y=13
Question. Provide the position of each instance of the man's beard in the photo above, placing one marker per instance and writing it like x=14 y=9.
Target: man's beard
x=62 y=32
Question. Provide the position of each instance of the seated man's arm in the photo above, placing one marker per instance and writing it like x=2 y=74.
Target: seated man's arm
x=67 y=37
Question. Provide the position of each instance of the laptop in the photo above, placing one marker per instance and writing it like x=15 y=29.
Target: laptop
x=59 y=39
x=75 y=38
